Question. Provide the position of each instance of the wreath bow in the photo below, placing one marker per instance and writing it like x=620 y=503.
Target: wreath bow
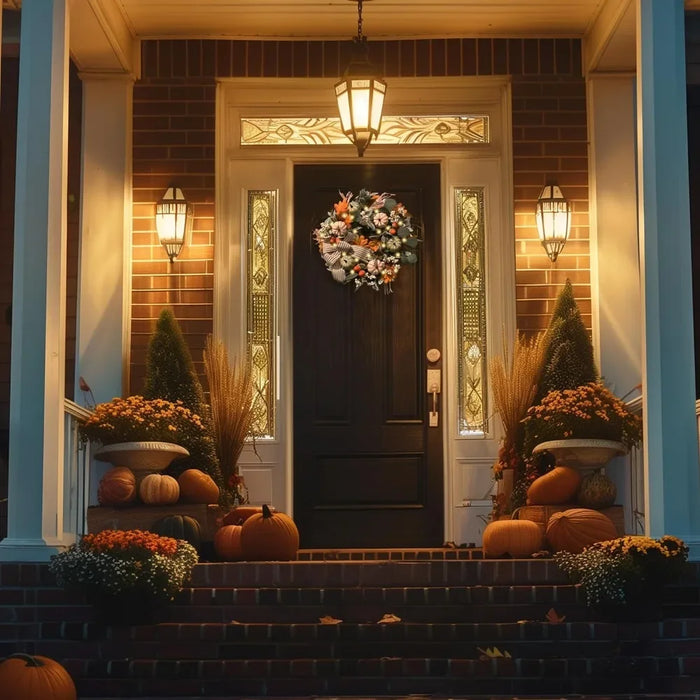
x=366 y=239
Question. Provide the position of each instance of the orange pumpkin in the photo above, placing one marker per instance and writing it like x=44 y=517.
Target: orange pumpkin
x=117 y=487
x=239 y=514
x=519 y=538
x=25 y=677
x=197 y=487
x=269 y=536
x=556 y=486
x=227 y=543
x=159 y=489
x=572 y=530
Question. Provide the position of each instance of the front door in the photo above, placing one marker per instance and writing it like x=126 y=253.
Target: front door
x=368 y=468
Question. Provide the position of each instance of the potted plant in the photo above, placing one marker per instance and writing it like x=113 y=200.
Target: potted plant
x=142 y=434
x=127 y=574
x=624 y=578
x=585 y=426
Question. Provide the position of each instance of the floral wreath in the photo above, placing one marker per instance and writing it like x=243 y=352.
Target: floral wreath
x=366 y=239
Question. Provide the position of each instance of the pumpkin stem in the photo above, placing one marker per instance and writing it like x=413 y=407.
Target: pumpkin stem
x=267 y=513
x=31 y=660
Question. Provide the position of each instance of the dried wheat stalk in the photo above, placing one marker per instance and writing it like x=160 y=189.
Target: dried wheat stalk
x=514 y=381
x=231 y=398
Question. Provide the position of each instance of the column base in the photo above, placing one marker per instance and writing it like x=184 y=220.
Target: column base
x=29 y=550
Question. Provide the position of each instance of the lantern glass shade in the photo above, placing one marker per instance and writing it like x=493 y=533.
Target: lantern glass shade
x=553 y=214
x=173 y=221
x=360 y=97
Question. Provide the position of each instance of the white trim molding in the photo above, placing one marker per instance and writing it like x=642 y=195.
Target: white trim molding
x=243 y=168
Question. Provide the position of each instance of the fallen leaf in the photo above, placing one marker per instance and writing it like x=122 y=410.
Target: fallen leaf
x=554 y=617
x=388 y=619
x=328 y=620
x=235 y=622
x=493 y=653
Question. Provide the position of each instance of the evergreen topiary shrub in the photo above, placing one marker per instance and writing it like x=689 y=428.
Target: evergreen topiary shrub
x=170 y=375
x=568 y=361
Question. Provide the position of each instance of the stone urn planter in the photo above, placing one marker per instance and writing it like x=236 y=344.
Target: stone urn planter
x=583 y=454
x=141 y=456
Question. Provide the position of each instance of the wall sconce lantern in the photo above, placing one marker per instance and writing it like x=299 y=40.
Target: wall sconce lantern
x=173 y=221
x=360 y=94
x=553 y=214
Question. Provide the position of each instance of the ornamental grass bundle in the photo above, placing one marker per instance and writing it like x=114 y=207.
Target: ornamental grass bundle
x=514 y=382
x=232 y=411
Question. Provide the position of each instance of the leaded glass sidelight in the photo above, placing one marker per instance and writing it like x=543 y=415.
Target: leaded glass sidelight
x=262 y=227
x=471 y=310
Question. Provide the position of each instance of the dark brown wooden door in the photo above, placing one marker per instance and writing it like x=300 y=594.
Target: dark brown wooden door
x=367 y=468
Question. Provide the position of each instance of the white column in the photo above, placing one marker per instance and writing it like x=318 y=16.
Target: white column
x=35 y=522
x=105 y=235
x=103 y=314
x=615 y=276
x=671 y=441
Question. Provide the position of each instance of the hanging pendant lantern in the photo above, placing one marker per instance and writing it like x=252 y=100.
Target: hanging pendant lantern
x=360 y=94
x=553 y=214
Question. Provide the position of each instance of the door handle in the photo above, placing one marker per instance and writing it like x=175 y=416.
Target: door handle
x=433 y=384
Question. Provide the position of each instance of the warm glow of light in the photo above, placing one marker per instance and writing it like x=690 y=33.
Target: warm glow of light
x=553 y=216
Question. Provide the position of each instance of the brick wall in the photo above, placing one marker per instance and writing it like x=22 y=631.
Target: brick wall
x=174 y=107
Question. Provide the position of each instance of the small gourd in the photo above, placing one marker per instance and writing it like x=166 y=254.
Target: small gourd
x=596 y=491
x=519 y=538
x=269 y=536
x=227 y=543
x=197 y=487
x=180 y=527
x=117 y=487
x=159 y=489
x=574 y=529
x=27 y=677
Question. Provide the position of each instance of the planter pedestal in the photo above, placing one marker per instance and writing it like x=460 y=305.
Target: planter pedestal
x=144 y=517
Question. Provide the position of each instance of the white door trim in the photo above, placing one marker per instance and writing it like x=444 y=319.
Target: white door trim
x=242 y=168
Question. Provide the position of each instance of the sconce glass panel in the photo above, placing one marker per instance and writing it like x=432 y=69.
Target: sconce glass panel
x=324 y=131
x=262 y=346
x=471 y=311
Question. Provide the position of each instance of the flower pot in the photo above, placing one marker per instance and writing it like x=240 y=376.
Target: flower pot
x=141 y=456
x=584 y=454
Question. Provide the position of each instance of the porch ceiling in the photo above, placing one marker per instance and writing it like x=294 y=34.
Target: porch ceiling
x=336 y=19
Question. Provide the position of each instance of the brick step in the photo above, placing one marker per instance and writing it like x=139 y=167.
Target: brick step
x=376 y=677
x=325 y=574
x=438 y=604
x=636 y=637
x=490 y=696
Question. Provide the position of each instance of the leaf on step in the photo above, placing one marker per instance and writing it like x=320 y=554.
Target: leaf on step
x=554 y=617
x=235 y=622
x=328 y=620
x=388 y=619
x=493 y=653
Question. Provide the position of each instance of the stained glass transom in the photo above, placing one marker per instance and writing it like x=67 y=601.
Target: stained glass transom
x=471 y=310
x=324 y=131
x=262 y=226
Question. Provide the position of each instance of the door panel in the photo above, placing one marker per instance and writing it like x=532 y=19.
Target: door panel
x=368 y=470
